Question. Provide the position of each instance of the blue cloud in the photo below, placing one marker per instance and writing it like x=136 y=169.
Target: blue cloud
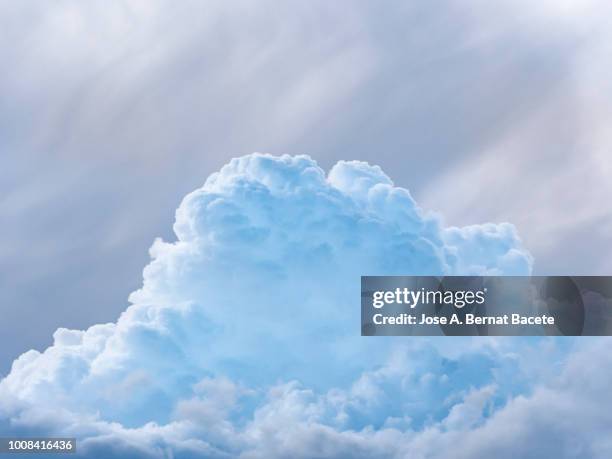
x=243 y=340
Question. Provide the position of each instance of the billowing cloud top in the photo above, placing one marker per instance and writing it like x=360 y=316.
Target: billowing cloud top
x=247 y=325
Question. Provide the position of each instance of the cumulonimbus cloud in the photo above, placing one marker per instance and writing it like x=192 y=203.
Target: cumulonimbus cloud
x=249 y=322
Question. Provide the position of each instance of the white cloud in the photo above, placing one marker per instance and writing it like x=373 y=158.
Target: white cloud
x=258 y=287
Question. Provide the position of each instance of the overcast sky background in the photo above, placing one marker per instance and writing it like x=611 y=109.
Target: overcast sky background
x=110 y=112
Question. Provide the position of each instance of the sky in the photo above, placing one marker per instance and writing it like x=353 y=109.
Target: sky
x=112 y=112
